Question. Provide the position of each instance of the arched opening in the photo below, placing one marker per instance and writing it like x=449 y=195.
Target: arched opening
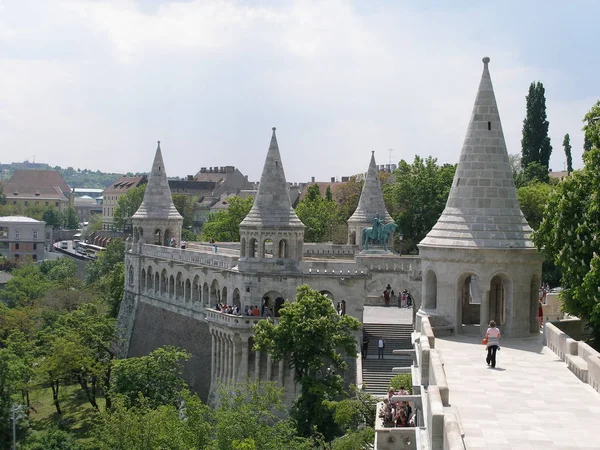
x=157 y=237
x=243 y=248
x=269 y=301
x=171 y=286
x=469 y=296
x=500 y=288
x=156 y=283
x=431 y=290
x=167 y=238
x=352 y=239
x=196 y=291
x=149 y=280
x=141 y=232
x=534 y=297
x=179 y=286
x=136 y=234
x=279 y=302
x=224 y=296
x=327 y=294
x=205 y=296
x=252 y=248
x=215 y=294
x=188 y=290
x=235 y=298
x=283 y=249
x=143 y=283
x=267 y=249
x=164 y=282
x=131 y=275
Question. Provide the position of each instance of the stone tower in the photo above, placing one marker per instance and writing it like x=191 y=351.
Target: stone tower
x=157 y=221
x=271 y=235
x=370 y=204
x=478 y=262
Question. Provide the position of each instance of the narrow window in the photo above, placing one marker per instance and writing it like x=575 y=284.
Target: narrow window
x=489 y=125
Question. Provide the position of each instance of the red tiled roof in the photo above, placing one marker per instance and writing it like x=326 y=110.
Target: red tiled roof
x=37 y=184
x=123 y=184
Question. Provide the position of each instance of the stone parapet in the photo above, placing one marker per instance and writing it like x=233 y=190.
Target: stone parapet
x=231 y=321
x=191 y=256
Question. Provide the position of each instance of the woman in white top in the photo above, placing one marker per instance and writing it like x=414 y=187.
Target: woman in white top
x=493 y=343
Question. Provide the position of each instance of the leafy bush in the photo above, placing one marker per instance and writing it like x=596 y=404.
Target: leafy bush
x=402 y=379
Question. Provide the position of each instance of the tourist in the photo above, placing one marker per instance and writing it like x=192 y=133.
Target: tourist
x=343 y=307
x=338 y=308
x=386 y=295
x=493 y=343
x=365 y=346
x=380 y=347
x=540 y=314
x=256 y=311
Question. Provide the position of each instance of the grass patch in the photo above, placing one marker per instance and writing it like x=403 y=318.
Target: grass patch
x=77 y=414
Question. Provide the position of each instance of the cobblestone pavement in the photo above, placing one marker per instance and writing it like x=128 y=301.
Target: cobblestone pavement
x=529 y=401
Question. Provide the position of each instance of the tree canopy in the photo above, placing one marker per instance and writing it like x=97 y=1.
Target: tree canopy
x=535 y=144
x=418 y=197
x=127 y=205
x=319 y=214
x=224 y=226
x=567 y=147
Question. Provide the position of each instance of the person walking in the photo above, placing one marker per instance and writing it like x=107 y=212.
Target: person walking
x=493 y=343
x=365 y=346
x=540 y=314
x=380 y=347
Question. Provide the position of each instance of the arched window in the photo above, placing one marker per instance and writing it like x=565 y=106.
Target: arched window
x=283 y=249
x=131 y=275
x=243 y=248
x=252 y=248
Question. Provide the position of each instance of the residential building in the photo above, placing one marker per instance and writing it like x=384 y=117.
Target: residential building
x=111 y=195
x=23 y=237
x=45 y=188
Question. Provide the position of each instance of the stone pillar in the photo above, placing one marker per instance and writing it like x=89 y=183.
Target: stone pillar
x=213 y=356
x=243 y=372
x=218 y=358
x=226 y=360
x=484 y=311
x=257 y=365
x=231 y=365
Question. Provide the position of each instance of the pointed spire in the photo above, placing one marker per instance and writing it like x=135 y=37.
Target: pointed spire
x=157 y=203
x=482 y=210
x=272 y=206
x=371 y=201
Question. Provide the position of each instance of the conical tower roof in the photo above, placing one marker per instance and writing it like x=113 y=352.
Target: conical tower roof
x=157 y=203
x=482 y=210
x=272 y=206
x=371 y=199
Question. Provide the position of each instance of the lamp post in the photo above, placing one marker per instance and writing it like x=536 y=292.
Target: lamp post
x=15 y=411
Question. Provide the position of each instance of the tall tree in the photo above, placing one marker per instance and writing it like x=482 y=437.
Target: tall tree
x=417 y=198
x=314 y=340
x=592 y=128
x=568 y=235
x=535 y=143
x=567 y=147
x=319 y=215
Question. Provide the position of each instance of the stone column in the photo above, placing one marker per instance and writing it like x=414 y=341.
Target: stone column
x=243 y=372
x=231 y=368
x=226 y=359
x=484 y=311
x=213 y=358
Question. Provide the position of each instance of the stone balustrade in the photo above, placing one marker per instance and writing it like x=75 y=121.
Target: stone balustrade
x=580 y=358
x=192 y=255
x=231 y=320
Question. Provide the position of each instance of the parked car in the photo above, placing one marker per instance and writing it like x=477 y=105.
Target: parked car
x=64 y=245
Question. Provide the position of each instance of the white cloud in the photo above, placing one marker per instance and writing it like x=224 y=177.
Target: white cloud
x=95 y=84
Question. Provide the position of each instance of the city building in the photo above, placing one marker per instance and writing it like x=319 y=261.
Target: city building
x=111 y=195
x=44 y=188
x=23 y=237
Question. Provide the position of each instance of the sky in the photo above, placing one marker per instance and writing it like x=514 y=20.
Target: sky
x=94 y=84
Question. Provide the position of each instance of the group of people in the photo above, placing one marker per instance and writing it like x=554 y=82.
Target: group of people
x=404 y=300
x=397 y=413
x=364 y=348
x=228 y=309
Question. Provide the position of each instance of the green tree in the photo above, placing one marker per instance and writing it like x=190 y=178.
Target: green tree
x=107 y=260
x=71 y=219
x=418 y=197
x=348 y=195
x=9 y=379
x=185 y=206
x=591 y=128
x=185 y=426
x=127 y=205
x=533 y=199
x=567 y=147
x=328 y=194
x=535 y=144
x=314 y=339
x=51 y=217
x=319 y=214
x=224 y=226
x=156 y=377
x=51 y=439
x=568 y=236
x=27 y=285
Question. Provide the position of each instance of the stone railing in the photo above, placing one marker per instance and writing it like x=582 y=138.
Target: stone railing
x=231 y=320
x=210 y=248
x=443 y=428
x=581 y=359
x=332 y=267
x=327 y=249
x=192 y=256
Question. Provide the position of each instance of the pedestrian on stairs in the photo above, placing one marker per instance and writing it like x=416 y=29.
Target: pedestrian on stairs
x=365 y=346
x=380 y=347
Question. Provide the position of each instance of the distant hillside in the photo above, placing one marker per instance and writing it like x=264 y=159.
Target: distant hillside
x=80 y=178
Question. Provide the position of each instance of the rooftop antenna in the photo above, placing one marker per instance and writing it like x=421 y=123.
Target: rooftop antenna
x=34 y=159
x=390 y=150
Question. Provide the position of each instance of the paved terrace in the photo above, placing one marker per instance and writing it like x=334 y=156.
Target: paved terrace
x=529 y=401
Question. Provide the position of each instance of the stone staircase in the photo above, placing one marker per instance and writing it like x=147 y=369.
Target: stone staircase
x=378 y=372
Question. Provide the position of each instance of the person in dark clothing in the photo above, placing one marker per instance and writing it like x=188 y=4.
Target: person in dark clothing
x=365 y=346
